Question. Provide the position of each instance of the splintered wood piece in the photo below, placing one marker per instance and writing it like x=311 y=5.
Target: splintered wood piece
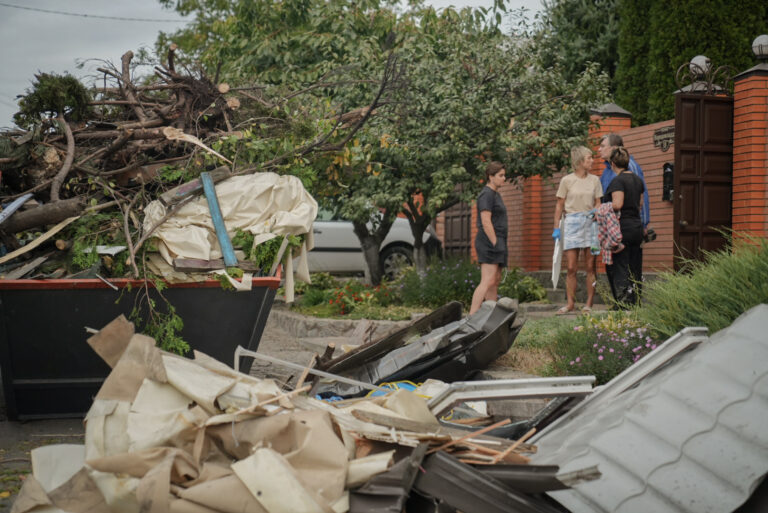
x=35 y=243
x=305 y=372
x=515 y=445
x=471 y=435
x=192 y=187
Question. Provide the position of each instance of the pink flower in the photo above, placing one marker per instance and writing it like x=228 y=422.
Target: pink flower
x=610 y=350
x=578 y=359
x=600 y=357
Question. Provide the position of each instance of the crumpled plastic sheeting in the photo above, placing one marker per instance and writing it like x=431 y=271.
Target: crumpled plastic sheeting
x=264 y=204
x=195 y=436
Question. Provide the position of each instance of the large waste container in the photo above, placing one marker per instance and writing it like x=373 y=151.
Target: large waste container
x=49 y=370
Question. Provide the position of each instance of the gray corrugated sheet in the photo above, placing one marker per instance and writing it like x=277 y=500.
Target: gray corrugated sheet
x=692 y=437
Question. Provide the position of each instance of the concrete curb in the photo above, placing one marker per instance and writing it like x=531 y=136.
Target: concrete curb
x=301 y=326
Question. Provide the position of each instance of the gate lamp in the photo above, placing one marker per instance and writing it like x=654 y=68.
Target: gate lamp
x=760 y=47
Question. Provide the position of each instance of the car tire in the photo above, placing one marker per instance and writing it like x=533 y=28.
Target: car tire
x=394 y=259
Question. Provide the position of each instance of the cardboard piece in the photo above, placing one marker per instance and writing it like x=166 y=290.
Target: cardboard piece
x=112 y=340
x=197 y=383
x=79 y=495
x=363 y=469
x=270 y=478
x=32 y=496
x=182 y=467
x=54 y=465
x=140 y=360
x=227 y=494
x=411 y=406
x=105 y=428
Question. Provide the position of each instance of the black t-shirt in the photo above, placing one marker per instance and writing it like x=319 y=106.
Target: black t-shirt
x=491 y=200
x=632 y=187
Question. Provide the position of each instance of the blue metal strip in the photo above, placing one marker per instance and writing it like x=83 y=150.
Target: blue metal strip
x=227 y=251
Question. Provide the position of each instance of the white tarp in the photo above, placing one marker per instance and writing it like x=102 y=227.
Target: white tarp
x=264 y=204
x=557 y=258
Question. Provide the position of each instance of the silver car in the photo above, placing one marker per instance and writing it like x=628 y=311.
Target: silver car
x=337 y=248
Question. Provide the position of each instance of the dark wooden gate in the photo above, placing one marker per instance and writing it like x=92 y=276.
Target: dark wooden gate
x=703 y=173
x=458 y=231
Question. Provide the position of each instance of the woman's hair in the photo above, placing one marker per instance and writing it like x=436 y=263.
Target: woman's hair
x=620 y=158
x=578 y=154
x=492 y=168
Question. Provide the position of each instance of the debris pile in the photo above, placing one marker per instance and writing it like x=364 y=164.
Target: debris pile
x=90 y=164
x=166 y=433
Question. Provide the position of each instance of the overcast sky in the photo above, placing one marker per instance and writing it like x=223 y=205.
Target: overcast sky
x=32 y=41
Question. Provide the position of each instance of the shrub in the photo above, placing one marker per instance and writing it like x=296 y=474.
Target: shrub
x=524 y=288
x=456 y=279
x=354 y=294
x=712 y=293
x=443 y=281
x=602 y=347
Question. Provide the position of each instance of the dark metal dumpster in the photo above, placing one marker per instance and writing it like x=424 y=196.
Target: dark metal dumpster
x=49 y=370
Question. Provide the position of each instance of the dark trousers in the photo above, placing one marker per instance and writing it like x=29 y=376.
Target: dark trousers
x=626 y=274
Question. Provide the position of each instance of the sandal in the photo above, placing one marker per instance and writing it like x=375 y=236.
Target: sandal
x=586 y=309
x=563 y=310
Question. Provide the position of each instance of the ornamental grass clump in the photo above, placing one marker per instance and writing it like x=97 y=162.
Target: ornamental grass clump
x=712 y=293
x=602 y=347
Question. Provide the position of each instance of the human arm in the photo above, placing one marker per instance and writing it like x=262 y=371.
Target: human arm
x=487 y=224
x=559 y=207
x=645 y=210
x=617 y=200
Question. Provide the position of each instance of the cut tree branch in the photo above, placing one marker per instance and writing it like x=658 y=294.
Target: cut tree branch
x=58 y=180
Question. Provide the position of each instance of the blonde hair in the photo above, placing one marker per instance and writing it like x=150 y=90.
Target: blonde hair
x=578 y=154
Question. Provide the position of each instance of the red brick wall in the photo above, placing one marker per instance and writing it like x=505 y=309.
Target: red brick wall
x=531 y=204
x=750 y=155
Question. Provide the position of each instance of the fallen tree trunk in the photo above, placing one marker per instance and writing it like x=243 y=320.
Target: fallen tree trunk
x=50 y=213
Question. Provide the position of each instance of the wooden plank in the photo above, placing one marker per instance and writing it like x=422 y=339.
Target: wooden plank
x=192 y=265
x=227 y=251
x=19 y=272
x=470 y=435
x=192 y=187
x=35 y=243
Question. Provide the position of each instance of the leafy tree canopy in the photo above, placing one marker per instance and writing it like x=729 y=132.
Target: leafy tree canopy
x=53 y=95
x=575 y=32
x=467 y=93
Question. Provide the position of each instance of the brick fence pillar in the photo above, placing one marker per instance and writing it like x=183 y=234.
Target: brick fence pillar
x=750 y=151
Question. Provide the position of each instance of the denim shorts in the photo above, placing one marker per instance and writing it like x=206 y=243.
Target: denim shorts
x=578 y=230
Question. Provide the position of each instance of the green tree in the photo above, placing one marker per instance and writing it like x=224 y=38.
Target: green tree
x=574 y=33
x=722 y=30
x=642 y=43
x=463 y=81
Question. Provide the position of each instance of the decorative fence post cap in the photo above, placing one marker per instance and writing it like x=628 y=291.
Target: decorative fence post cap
x=760 y=47
x=611 y=110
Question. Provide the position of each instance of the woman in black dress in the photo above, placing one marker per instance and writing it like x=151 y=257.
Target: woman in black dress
x=491 y=239
x=625 y=192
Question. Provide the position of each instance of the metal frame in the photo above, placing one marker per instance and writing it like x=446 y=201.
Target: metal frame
x=510 y=389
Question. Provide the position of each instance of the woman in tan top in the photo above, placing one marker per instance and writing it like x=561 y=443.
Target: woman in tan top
x=578 y=194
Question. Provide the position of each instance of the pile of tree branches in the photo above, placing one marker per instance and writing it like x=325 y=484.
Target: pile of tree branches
x=112 y=149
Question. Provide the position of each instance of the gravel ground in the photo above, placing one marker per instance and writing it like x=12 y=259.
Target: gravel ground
x=278 y=343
